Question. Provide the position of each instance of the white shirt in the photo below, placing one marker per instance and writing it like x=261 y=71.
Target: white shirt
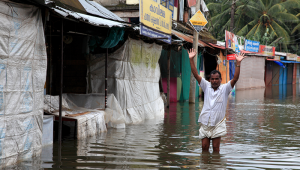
x=215 y=102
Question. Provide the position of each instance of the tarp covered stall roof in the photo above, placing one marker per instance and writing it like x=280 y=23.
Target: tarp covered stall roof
x=96 y=21
x=23 y=64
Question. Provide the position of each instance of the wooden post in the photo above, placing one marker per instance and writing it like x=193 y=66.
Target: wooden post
x=106 y=60
x=169 y=74
x=61 y=91
x=61 y=82
x=295 y=73
x=192 y=95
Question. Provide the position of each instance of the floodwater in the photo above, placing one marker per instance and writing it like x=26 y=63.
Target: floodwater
x=263 y=132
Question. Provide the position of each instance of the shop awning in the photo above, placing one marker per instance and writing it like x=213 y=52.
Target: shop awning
x=85 y=7
x=96 y=21
x=189 y=38
x=285 y=61
x=217 y=46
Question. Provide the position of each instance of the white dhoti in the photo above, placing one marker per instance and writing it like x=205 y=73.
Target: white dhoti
x=207 y=131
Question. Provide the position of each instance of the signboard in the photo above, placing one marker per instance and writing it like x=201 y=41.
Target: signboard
x=171 y=6
x=231 y=56
x=292 y=57
x=155 y=16
x=198 y=21
x=267 y=50
x=298 y=59
x=252 y=46
x=148 y=32
x=277 y=58
x=164 y=3
x=231 y=41
x=192 y=2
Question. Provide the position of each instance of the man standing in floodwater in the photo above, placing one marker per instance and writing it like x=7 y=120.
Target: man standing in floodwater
x=212 y=117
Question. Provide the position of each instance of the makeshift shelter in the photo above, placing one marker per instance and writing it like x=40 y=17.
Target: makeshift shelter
x=133 y=77
x=23 y=64
x=252 y=73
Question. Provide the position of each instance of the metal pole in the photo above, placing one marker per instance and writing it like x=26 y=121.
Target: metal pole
x=226 y=61
x=169 y=73
x=61 y=83
x=60 y=93
x=50 y=62
x=192 y=94
x=106 y=58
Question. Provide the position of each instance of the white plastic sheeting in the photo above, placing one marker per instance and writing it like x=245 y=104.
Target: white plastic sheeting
x=113 y=113
x=133 y=77
x=48 y=129
x=90 y=123
x=23 y=65
x=252 y=73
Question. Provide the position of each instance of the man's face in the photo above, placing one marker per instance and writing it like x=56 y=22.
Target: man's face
x=215 y=80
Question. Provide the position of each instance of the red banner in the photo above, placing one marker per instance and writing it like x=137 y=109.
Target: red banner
x=267 y=50
x=192 y=2
x=231 y=56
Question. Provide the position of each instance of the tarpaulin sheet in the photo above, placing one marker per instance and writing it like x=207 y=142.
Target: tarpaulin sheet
x=252 y=73
x=133 y=77
x=23 y=65
x=90 y=123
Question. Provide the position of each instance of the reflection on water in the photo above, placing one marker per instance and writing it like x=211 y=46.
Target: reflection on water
x=263 y=133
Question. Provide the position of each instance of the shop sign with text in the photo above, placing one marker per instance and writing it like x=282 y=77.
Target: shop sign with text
x=267 y=50
x=292 y=57
x=231 y=56
x=155 y=16
x=231 y=41
x=148 y=32
x=252 y=46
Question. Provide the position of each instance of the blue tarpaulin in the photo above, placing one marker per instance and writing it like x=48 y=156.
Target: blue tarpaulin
x=279 y=63
x=284 y=61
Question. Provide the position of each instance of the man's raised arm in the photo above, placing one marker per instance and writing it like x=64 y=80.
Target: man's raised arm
x=192 y=54
x=236 y=76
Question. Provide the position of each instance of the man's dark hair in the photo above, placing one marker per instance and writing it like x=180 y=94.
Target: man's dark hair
x=214 y=72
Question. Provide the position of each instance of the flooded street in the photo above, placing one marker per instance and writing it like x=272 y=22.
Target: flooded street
x=263 y=132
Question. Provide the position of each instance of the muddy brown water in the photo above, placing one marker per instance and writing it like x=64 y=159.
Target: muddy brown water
x=263 y=132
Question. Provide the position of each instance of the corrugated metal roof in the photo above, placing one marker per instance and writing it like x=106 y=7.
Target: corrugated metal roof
x=86 y=7
x=280 y=53
x=87 y=18
x=94 y=8
x=217 y=46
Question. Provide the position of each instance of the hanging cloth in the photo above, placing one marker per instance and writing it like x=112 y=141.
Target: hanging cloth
x=115 y=36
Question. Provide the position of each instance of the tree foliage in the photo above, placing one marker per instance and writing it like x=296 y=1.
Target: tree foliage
x=273 y=22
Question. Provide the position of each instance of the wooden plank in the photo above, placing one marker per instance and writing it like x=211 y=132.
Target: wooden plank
x=275 y=74
x=290 y=69
x=268 y=73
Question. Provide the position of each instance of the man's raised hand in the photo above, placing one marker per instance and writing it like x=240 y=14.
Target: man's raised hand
x=240 y=57
x=192 y=53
